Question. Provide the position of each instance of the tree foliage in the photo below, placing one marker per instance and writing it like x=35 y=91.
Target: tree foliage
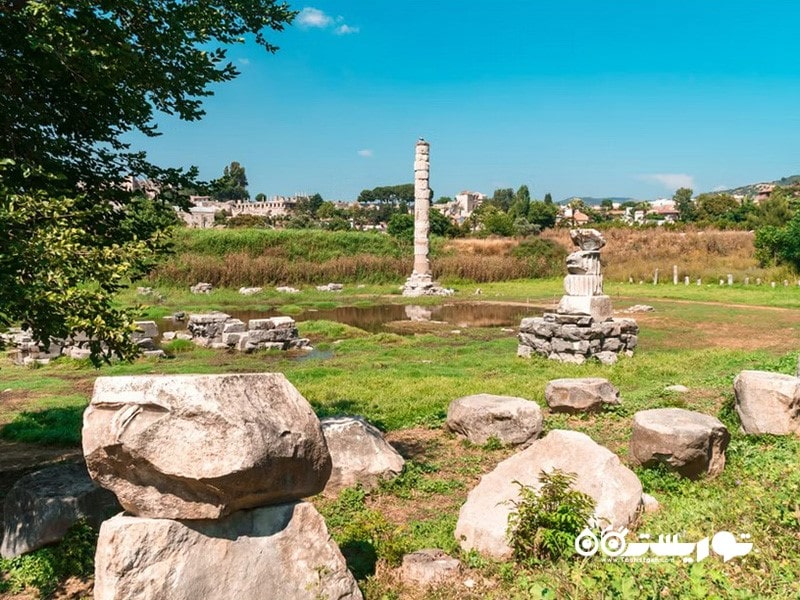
x=77 y=75
x=684 y=204
x=232 y=185
x=779 y=244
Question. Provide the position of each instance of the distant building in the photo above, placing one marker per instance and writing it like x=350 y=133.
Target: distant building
x=460 y=209
x=763 y=191
x=201 y=214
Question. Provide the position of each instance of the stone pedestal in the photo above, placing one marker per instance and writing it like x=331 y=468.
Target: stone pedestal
x=582 y=326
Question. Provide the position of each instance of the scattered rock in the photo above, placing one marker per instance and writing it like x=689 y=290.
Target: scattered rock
x=203 y=446
x=144 y=291
x=678 y=389
x=650 y=504
x=580 y=394
x=768 y=402
x=249 y=291
x=430 y=566
x=483 y=520
x=689 y=442
x=201 y=288
x=276 y=552
x=512 y=421
x=359 y=453
x=43 y=505
x=331 y=287
x=145 y=329
x=285 y=289
x=639 y=308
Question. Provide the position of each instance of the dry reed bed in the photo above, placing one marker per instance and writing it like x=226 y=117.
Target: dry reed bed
x=706 y=254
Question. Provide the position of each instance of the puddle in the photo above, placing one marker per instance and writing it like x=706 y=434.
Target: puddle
x=375 y=318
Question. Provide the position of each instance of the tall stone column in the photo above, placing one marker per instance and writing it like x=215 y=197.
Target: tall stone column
x=422 y=201
x=421 y=281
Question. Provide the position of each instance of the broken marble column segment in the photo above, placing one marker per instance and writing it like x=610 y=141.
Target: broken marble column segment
x=277 y=552
x=421 y=282
x=582 y=326
x=203 y=446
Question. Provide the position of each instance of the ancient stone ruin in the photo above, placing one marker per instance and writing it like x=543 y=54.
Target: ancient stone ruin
x=421 y=282
x=222 y=332
x=211 y=471
x=582 y=326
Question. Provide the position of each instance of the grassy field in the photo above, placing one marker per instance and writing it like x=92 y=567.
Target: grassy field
x=700 y=337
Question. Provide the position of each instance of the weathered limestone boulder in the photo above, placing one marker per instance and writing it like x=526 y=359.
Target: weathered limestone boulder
x=513 y=421
x=249 y=291
x=689 y=442
x=580 y=394
x=43 y=505
x=768 y=402
x=427 y=567
x=201 y=288
x=203 y=446
x=146 y=329
x=359 y=453
x=617 y=492
x=270 y=553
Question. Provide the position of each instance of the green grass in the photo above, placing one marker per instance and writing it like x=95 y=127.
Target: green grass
x=398 y=382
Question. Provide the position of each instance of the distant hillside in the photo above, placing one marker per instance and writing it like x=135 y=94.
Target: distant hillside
x=591 y=201
x=750 y=189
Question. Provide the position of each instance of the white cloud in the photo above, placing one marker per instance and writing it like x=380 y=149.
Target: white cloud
x=721 y=188
x=671 y=181
x=244 y=61
x=345 y=30
x=366 y=153
x=313 y=17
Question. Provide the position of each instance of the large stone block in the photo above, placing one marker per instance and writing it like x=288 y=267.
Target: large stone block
x=273 y=553
x=689 y=442
x=617 y=492
x=598 y=307
x=359 y=453
x=768 y=402
x=511 y=420
x=580 y=394
x=203 y=446
x=43 y=505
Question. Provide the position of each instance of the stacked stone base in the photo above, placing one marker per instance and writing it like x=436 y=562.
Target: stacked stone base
x=220 y=331
x=424 y=285
x=577 y=338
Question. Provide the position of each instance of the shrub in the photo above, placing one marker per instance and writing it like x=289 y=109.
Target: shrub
x=44 y=568
x=545 y=522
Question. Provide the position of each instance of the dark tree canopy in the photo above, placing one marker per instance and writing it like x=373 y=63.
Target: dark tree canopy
x=232 y=185
x=75 y=76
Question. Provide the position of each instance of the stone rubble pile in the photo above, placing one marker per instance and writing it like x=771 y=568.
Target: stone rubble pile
x=582 y=326
x=27 y=351
x=211 y=470
x=201 y=288
x=221 y=331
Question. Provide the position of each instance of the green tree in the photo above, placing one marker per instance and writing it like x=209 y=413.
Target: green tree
x=261 y=197
x=493 y=221
x=779 y=244
x=716 y=209
x=76 y=77
x=684 y=204
x=502 y=199
x=542 y=214
x=774 y=211
x=232 y=185
x=309 y=205
x=521 y=204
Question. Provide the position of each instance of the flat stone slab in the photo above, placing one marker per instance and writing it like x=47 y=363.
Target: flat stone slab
x=511 y=420
x=427 y=567
x=691 y=443
x=768 y=402
x=278 y=552
x=203 y=446
x=583 y=394
x=359 y=454
x=617 y=492
x=43 y=505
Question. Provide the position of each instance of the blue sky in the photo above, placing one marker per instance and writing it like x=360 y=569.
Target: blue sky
x=572 y=97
